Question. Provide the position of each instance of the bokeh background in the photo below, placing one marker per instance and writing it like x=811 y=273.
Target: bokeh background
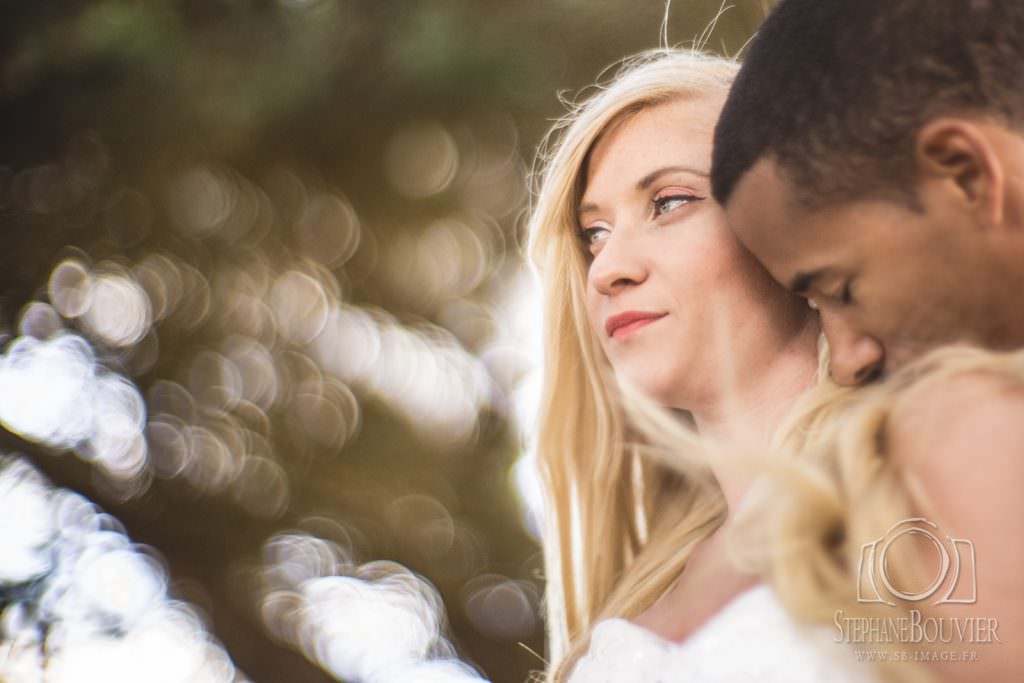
x=268 y=347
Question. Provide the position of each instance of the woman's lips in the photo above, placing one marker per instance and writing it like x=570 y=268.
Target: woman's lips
x=622 y=324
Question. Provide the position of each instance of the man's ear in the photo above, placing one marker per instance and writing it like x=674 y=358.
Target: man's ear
x=958 y=150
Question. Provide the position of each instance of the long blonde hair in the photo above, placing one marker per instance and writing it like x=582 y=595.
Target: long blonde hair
x=619 y=526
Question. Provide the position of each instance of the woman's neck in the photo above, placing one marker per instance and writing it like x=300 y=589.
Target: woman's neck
x=749 y=412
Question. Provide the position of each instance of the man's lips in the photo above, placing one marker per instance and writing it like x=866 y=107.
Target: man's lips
x=624 y=323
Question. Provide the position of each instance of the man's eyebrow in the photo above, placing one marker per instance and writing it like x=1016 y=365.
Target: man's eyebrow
x=646 y=181
x=802 y=282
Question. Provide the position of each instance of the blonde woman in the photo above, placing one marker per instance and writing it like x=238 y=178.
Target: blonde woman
x=645 y=287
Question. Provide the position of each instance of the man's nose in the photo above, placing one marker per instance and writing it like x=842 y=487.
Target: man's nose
x=856 y=357
x=619 y=263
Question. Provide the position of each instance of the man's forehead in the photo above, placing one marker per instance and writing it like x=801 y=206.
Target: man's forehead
x=796 y=244
x=764 y=215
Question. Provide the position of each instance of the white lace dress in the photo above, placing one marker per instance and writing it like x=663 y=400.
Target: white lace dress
x=750 y=639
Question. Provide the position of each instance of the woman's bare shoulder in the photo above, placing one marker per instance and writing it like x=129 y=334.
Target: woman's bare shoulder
x=960 y=444
x=976 y=417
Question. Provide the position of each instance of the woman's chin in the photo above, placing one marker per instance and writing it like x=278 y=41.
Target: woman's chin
x=656 y=386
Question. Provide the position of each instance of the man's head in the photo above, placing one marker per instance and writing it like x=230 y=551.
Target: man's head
x=871 y=155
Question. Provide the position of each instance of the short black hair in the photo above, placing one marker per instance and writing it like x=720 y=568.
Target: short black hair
x=835 y=91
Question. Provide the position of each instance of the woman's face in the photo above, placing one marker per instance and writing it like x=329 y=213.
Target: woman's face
x=669 y=289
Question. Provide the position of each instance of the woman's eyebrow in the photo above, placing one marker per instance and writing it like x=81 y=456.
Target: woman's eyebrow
x=646 y=181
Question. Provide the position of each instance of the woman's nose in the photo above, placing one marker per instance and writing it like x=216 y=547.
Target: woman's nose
x=856 y=357
x=619 y=263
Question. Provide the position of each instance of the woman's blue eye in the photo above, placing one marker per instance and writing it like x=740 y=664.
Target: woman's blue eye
x=590 y=235
x=663 y=205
